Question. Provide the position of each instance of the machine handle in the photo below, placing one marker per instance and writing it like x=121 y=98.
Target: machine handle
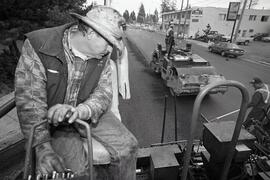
x=237 y=129
x=8 y=106
x=28 y=157
x=89 y=145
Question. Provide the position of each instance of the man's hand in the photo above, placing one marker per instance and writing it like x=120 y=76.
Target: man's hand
x=61 y=112
x=47 y=160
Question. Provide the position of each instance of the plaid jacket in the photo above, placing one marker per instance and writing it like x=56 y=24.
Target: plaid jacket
x=30 y=89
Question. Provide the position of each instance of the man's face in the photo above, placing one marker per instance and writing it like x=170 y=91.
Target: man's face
x=96 y=43
x=256 y=86
x=90 y=44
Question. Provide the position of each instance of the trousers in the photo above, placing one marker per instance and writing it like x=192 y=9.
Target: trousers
x=114 y=136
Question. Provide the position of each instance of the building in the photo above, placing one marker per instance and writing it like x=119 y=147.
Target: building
x=195 y=20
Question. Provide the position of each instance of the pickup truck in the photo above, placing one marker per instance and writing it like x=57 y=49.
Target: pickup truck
x=239 y=40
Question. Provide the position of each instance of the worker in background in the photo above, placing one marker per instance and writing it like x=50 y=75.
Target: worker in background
x=208 y=29
x=157 y=53
x=169 y=39
x=259 y=103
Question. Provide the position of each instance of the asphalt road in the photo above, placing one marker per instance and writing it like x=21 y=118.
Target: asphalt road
x=143 y=114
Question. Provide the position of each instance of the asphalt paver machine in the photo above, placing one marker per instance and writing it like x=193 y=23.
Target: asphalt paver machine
x=226 y=151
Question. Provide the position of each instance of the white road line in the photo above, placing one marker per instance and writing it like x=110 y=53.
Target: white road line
x=256 y=62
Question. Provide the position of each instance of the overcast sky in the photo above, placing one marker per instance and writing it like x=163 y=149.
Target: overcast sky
x=151 y=5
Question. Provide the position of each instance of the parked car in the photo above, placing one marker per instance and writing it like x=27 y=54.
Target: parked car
x=239 y=40
x=244 y=40
x=211 y=36
x=266 y=39
x=151 y=29
x=226 y=49
x=259 y=36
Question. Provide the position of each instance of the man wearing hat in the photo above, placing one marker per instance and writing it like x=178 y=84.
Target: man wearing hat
x=64 y=73
x=169 y=39
x=259 y=103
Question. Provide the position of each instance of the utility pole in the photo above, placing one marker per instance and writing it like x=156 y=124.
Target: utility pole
x=185 y=18
x=239 y=22
x=180 y=15
x=161 y=28
x=250 y=2
x=107 y=2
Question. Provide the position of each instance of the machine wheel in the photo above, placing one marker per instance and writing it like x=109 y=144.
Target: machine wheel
x=223 y=53
x=151 y=64
x=246 y=43
x=153 y=67
x=210 y=49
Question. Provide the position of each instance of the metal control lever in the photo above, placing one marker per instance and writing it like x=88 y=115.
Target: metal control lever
x=29 y=163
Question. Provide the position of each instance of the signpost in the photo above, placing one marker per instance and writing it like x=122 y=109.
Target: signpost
x=240 y=19
x=180 y=14
x=232 y=14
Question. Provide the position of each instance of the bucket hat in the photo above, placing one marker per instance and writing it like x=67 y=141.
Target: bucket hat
x=106 y=21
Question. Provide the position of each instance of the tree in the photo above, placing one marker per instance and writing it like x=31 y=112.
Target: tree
x=155 y=17
x=173 y=5
x=18 y=17
x=126 y=16
x=147 y=18
x=37 y=10
x=132 y=16
x=94 y=3
x=165 y=6
x=168 y=5
x=141 y=14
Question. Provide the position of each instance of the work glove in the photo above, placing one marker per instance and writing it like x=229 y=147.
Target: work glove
x=47 y=160
x=67 y=113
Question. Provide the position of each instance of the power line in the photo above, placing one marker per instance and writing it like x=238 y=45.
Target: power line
x=209 y=2
x=214 y=1
x=198 y=1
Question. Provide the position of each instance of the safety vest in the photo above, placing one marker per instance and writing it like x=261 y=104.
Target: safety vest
x=265 y=93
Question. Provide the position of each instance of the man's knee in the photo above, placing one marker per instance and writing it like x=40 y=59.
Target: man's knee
x=133 y=145
x=130 y=149
x=69 y=146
